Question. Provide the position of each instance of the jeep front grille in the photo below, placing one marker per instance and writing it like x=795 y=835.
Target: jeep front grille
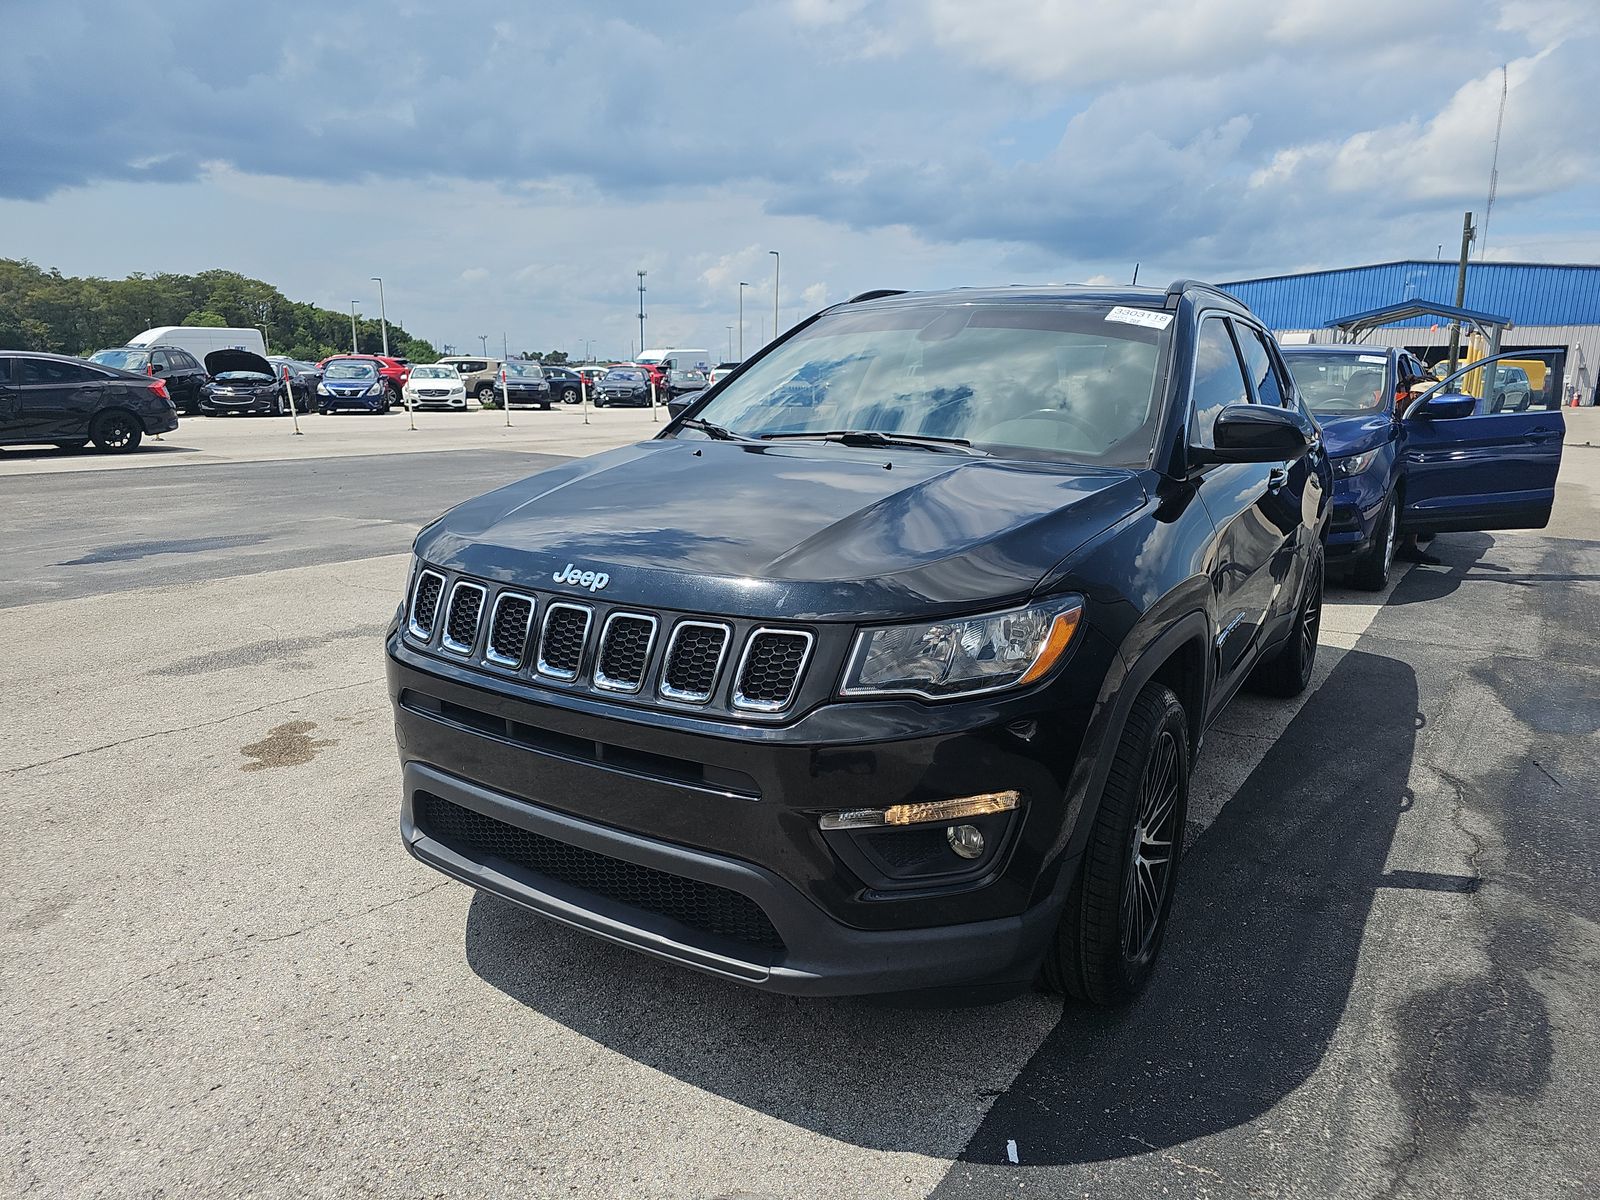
x=561 y=644
x=508 y=629
x=625 y=645
x=769 y=673
x=694 y=657
x=425 y=604
x=461 y=618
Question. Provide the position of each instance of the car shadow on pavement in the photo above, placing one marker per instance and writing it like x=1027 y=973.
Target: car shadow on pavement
x=1267 y=931
x=44 y=453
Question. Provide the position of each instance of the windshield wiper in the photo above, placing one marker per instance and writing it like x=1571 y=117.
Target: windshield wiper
x=717 y=433
x=876 y=437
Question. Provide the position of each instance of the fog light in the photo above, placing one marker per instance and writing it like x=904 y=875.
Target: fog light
x=965 y=840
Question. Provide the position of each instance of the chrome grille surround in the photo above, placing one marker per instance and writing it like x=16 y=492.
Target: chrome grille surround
x=463 y=593
x=435 y=581
x=611 y=683
x=492 y=654
x=683 y=695
x=764 y=703
x=552 y=611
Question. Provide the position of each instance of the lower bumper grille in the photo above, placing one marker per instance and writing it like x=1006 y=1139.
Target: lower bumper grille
x=691 y=902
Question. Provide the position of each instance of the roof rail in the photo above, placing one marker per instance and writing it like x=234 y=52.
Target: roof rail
x=876 y=294
x=1177 y=287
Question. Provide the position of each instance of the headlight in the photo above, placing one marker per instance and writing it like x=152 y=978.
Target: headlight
x=966 y=656
x=1343 y=468
x=376 y=389
x=322 y=390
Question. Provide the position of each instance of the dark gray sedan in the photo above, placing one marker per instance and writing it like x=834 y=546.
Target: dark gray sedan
x=53 y=399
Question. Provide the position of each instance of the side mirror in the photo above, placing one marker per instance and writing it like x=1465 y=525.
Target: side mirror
x=157 y=369
x=1254 y=433
x=1448 y=406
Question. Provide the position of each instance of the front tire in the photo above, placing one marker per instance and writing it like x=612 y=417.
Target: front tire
x=486 y=396
x=116 y=432
x=1288 y=672
x=1371 y=569
x=1111 y=931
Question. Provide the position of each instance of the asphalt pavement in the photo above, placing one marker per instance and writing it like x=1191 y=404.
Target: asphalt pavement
x=223 y=976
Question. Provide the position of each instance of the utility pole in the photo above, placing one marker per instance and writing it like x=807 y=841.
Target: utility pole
x=354 y=346
x=1135 y=282
x=383 y=315
x=642 y=274
x=777 y=261
x=742 y=287
x=730 y=341
x=484 y=338
x=1467 y=234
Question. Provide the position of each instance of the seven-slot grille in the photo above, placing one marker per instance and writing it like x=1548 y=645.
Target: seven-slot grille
x=425 y=604
x=625 y=645
x=693 y=659
x=556 y=639
x=566 y=629
x=461 y=617
x=770 y=670
x=508 y=629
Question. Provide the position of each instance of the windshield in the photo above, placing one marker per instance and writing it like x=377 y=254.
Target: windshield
x=624 y=376
x=126 y=360
x=350 y=370
x=1340 y=383
x=524 y=370
x=1071 y=382
x=244 y=377
x=434 y=373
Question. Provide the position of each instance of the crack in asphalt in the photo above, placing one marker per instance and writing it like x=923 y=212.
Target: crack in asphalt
x=140 y=737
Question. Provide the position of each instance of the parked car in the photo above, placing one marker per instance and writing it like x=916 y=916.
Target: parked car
x=1402 y=466
x=623 y=385
x=720 y=372
x=653 y=373
x=681 y=382
x=353 y=383
x=395 y=371
x=481 y=375
x=899 y=686
x=183 y=373
x=436 y=385
x=1512 y=391
x=303 y=378
x=51 y=399
x=242 y=382
x=565 y=383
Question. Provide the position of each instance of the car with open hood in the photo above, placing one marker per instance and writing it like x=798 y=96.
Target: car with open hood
x=242 y=381
x=1412 y=456
x=353 y=383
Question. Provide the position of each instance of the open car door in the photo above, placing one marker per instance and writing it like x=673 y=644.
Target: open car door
x=1474 y=464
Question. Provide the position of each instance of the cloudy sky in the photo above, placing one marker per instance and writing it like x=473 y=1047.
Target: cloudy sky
x=508 y=167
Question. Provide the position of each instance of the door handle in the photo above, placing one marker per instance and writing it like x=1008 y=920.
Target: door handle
x=1276 y=478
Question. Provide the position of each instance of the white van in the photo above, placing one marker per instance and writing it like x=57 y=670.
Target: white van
x=679 y=358
x=201 y=340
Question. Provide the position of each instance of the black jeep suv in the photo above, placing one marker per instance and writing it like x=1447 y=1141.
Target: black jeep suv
x=884 y=666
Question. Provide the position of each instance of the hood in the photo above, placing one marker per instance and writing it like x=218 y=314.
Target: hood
x=1357 y=433
x=798 y=531
x=219 y=361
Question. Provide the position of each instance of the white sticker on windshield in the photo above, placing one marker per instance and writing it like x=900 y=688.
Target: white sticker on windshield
x=1149 y=318
x=1372 y=358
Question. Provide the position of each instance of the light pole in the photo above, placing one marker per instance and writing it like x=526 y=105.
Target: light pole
x=354 y=346
x=777 y=261
x=742 y=287
x=484 y=338
x=642 y=274
x=383 y=315
x=730 y=341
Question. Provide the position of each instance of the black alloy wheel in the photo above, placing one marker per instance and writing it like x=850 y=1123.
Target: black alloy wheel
x=1115 y=917
x=1371 y=570
x=1288 y=672
x=116 y=432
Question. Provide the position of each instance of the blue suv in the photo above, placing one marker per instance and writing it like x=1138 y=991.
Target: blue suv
x=1415 y=456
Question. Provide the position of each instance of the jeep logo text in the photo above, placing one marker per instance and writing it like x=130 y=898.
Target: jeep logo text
x=593 y=580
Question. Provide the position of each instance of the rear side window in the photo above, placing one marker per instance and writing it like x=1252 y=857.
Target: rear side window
x=1260 y=365
x=1218 y=380
x=46 y=370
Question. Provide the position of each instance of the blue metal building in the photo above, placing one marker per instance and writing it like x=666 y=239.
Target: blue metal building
x=1554 y=307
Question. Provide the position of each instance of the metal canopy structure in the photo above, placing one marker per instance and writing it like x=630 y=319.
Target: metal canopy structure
x=1356 y=326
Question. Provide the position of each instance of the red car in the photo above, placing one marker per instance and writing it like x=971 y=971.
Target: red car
x=655 y=375
x=395 y=370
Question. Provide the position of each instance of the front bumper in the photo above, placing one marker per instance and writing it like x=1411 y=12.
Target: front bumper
x=214 y=406
x=457 y=402
x=333 y=403
x=1357 y=505
x=737 y=808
